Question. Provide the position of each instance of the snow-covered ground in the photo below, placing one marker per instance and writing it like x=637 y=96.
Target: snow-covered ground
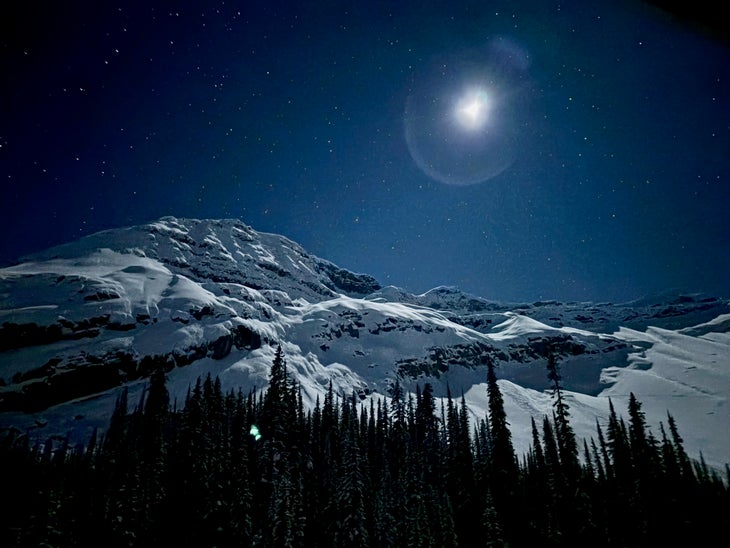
x=183 y=292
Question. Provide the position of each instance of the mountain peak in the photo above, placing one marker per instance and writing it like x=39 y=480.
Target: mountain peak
x=219 y=251
x=192 y=297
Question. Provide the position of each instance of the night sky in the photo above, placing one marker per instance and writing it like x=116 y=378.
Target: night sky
x=517 y=150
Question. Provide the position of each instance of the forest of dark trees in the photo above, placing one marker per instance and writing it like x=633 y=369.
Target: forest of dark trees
x=258 y=469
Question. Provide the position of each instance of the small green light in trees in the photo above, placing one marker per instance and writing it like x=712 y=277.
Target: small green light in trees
x=255 y=432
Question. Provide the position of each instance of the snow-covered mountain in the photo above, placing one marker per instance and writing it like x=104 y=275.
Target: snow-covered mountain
x=194 y=297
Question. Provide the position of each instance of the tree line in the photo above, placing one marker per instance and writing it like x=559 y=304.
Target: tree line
x=258 y=469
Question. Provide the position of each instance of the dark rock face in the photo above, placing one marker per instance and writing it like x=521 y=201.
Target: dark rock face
x=244 y=338
x=522 y=362
x=74 y=383
x=13 y=336
x=64 y=379
x=440 y=359
x=348 y=282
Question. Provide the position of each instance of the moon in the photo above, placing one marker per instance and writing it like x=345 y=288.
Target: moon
x=465 y=113
x=472 y=110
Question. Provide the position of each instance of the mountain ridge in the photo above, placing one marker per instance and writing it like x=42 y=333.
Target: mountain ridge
x=192 y=297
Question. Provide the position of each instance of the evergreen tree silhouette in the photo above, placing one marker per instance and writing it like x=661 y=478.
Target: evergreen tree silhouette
x=503 y=470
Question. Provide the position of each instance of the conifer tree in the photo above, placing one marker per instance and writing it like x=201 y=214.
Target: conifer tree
x=458 y=476
x=351 y=526
x=567 y=445
x=116 y=432
x=384 y=524
x=284 y=525
x=624 y=502
x=678 y=443
x=416 y=529
x=554 y=482
x=600 y=471
x=539 y=456
x=502 y=451
x=153 y=455
x=604 y=451
x=427 y=431
x=619 y=446
x=503 y=473
x=491 y=526
x=446 y=526
x=279 y=406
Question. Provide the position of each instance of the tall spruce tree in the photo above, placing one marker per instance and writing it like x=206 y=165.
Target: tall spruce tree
x=502 y=451
x=427 y=431
x=567 y=444
x=503 y=472
x=279 y=404
x=351 y=525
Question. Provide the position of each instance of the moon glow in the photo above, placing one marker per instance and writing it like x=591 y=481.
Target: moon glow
x=472 y=110
x=463 y=116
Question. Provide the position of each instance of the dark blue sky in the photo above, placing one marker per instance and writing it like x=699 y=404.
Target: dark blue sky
x=607 y=159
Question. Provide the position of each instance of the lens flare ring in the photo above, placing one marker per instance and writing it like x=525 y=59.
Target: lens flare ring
x=464 y=115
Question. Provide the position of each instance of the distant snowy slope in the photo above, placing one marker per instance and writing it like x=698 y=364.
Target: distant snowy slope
x=194 y=297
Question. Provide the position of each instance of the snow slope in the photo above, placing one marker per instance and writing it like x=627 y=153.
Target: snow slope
x=193 y=297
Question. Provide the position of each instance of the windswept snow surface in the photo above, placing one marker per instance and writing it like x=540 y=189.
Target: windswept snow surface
x=687 y=376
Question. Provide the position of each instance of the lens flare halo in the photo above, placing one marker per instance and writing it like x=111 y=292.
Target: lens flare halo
x=463 y=117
